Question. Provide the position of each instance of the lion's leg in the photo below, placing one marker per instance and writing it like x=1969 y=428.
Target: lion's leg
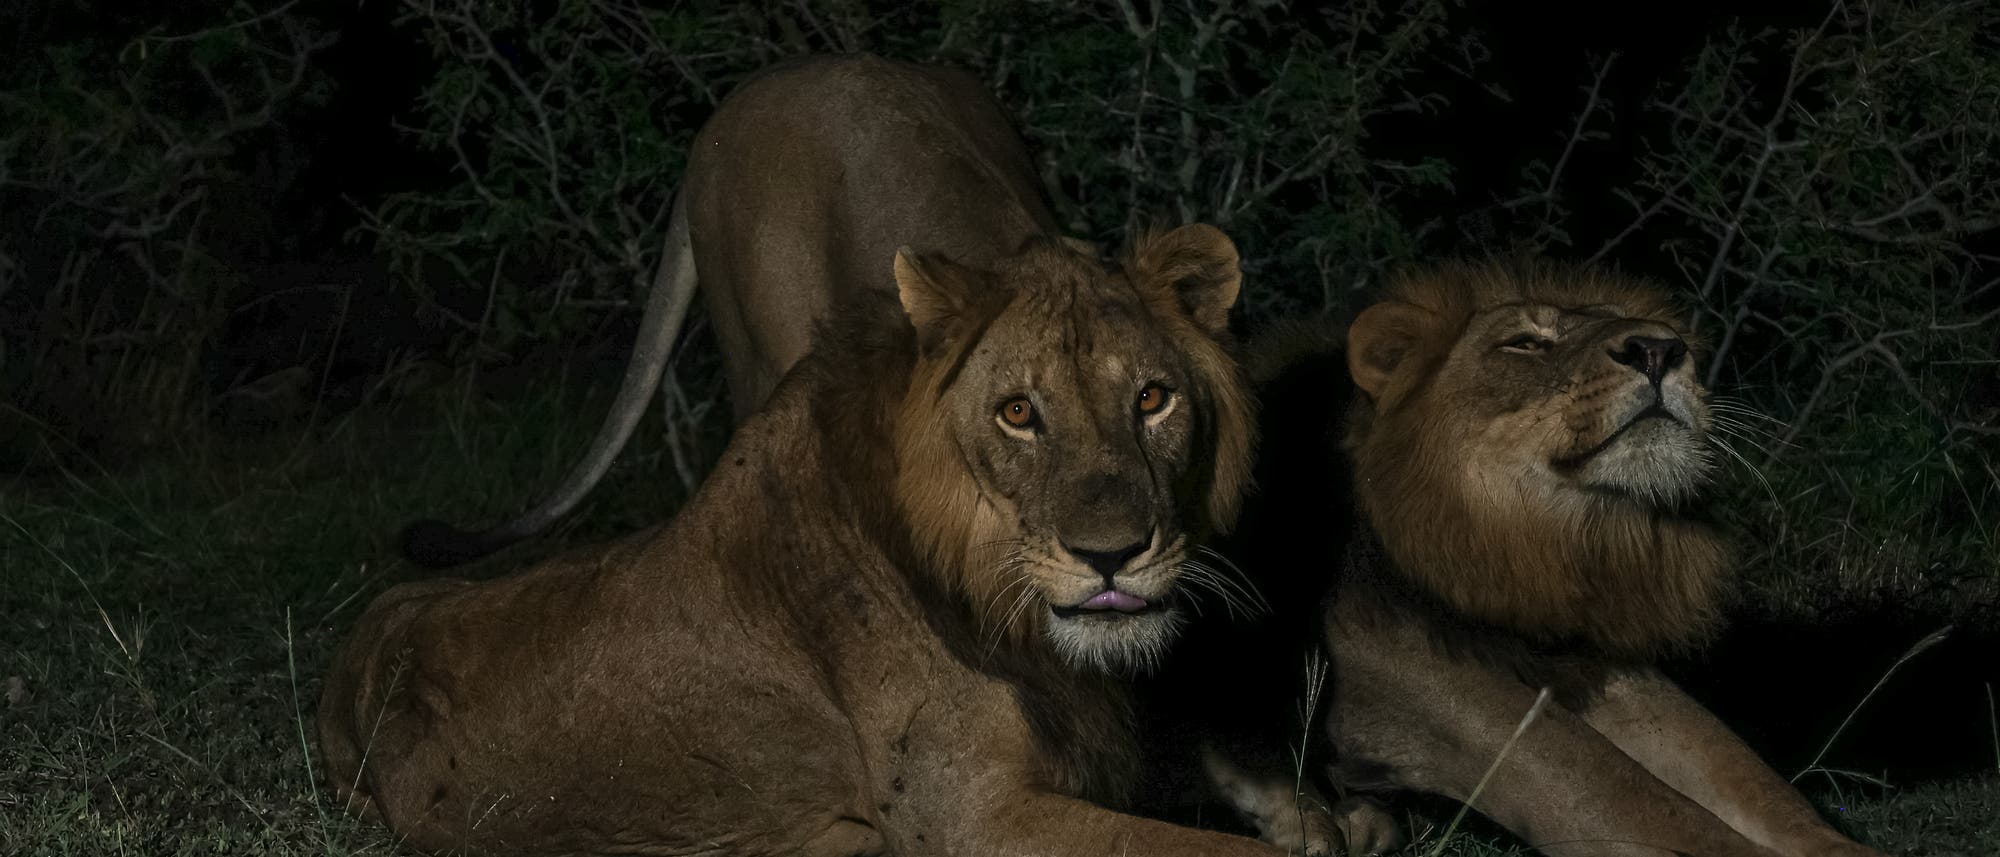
x=1290 y=812
x=1683 y=744
x=1039 y=822
x=1437 y=723
x=970 y=777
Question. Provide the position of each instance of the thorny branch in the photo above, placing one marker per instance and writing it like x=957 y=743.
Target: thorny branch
x=118 y=163
x=1832 y=182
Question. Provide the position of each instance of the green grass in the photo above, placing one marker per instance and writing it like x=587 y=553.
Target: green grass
x=163 y=628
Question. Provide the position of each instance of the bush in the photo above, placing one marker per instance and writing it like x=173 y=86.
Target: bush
x=129 y=213
x=1829 y=199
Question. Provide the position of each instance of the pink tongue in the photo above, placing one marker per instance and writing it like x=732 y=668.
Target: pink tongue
x=1111 y=599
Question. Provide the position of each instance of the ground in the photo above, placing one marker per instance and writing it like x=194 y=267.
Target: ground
x=164 y=621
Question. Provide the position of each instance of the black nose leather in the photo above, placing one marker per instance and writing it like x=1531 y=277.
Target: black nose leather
x=1653 y=356
x=1108 y=563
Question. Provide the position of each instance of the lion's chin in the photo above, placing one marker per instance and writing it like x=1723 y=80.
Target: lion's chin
x=1657 y=459
x=1114 y=642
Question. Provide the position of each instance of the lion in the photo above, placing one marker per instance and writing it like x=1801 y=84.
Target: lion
x=901 y=613
x=1502 y=470
x=805 y=179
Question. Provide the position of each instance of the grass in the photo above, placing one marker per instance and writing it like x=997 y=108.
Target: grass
x=1959 y=818
x=165 y=626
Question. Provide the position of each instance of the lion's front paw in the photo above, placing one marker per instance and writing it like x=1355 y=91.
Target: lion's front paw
x=1311 y=831
x=1353 y=827
x=1366 y=826
x=1289 y=814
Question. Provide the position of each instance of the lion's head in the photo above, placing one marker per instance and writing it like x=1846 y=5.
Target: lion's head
x=1071 y=432
x=1530 y=445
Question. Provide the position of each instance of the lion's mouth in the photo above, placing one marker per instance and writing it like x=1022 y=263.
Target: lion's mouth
x=1656 y=410
x=1109 y=604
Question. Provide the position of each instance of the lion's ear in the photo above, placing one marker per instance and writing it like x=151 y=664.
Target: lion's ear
x=1381 y=338
x=1199 y=264
x=935 y=292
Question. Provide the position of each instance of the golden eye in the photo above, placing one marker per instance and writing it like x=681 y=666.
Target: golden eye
x=1018 y=412
x=1153 y=398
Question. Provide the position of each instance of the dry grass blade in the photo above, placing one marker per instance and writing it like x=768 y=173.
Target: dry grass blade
x=1316 y=668
x=299 y=717
x=1534 y=711
x=132 y=649
x=1923 y=645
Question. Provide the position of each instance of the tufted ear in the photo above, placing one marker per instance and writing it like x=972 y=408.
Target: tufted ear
x=1199 y=264
x=1381 y=338
x=936 y=293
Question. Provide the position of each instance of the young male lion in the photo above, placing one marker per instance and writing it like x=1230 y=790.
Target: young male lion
x=894 y=618
x=1506 y=498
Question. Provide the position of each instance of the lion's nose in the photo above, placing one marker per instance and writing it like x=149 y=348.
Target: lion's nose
x=1109 y=562
x=1651 y=355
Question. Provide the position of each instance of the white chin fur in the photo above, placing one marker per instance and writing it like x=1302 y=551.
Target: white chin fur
x=1133 y=644
x=1659 y=460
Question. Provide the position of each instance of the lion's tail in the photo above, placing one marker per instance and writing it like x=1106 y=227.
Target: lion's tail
x=437 y=544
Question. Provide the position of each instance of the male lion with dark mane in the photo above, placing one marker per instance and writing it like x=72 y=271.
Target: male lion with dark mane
x=1507 y=497
x=897 y=616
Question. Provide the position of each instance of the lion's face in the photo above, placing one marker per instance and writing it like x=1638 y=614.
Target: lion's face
x=1081 y=431
x=1580 y=397
x=1529 y=444
x=1547 y=387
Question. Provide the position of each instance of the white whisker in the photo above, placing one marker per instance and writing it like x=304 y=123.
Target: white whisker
x=1724 y=445
x=1000 y=632
x=1208 y=579
x=1251 y=601
x=1240 y=577
x=1020 y=578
